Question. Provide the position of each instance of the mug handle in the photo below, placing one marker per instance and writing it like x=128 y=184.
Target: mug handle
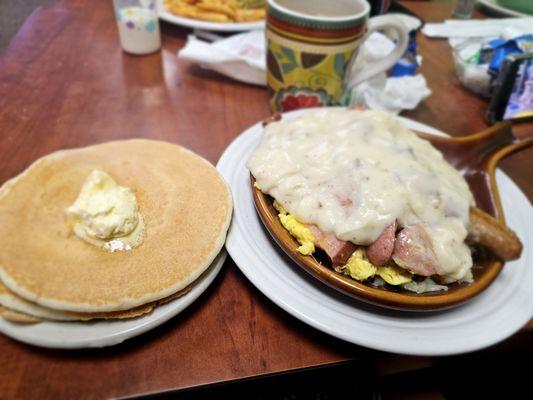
x=374 y=24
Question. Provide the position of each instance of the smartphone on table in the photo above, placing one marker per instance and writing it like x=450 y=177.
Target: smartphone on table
x=512 y=95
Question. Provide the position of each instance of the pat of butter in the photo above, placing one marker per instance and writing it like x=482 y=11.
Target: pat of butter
x=106 y=214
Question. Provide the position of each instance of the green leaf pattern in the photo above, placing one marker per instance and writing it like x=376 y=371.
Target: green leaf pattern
x=286 y=59
x=339 y=64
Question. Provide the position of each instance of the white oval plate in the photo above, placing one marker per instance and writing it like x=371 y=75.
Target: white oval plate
x=496 y=8
x=207 y=25
x=491 y=317
x=77 y=335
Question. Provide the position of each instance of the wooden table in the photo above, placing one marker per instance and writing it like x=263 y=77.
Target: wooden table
x=65 y=82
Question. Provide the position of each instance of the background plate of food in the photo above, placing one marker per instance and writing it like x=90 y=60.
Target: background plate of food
x=508 y=8
x=496 y=313
x=214 y=15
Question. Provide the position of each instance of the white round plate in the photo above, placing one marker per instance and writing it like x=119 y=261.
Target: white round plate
x=207 y=25
x=77 y=335
x=498 y=9
x=494 y=315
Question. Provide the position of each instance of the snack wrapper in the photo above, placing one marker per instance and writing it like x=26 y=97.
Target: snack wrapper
x=478 y=61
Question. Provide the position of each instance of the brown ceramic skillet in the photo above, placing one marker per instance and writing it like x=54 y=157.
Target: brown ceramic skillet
x=476 y=156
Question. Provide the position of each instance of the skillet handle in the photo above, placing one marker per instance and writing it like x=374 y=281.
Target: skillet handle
x=477 y=155
x=469 y=153
x=490 y=168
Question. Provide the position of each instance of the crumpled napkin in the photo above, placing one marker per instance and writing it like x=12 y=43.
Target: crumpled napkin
x=383 y=93
x=393 y=94
x=243 y=57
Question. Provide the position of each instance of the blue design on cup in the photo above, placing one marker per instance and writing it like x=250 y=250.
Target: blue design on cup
x=118 y=16
x=150 y=26
x=130 y=25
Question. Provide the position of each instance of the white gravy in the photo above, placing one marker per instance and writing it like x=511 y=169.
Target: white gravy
x=354 y=172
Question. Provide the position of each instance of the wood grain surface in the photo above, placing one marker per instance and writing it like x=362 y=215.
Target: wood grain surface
x=65 y=82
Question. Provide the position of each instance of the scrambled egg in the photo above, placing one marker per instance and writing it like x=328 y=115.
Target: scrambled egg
x=359 y=268
x=394 y=275
x=302 y=234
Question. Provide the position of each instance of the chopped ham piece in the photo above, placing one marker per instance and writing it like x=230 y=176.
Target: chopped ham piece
x=358 y=107
x=345 y=202
x=337 y=250
x=413 y=251
x=380 y=252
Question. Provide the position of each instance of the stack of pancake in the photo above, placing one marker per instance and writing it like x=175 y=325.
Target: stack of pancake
x=49 y=273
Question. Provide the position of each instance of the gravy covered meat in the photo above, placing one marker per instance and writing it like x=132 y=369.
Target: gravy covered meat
x=362 y=180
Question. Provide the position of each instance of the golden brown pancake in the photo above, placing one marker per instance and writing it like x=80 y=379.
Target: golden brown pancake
x=186 y=207
x=17 y=309
x=20 y=318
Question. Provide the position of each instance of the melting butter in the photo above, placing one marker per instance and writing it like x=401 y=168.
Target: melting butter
x=106 y=214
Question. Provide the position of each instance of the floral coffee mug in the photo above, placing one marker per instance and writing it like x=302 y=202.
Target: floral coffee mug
x=312 y=46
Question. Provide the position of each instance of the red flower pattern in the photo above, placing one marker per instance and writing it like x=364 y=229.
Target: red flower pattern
x=293 y=102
